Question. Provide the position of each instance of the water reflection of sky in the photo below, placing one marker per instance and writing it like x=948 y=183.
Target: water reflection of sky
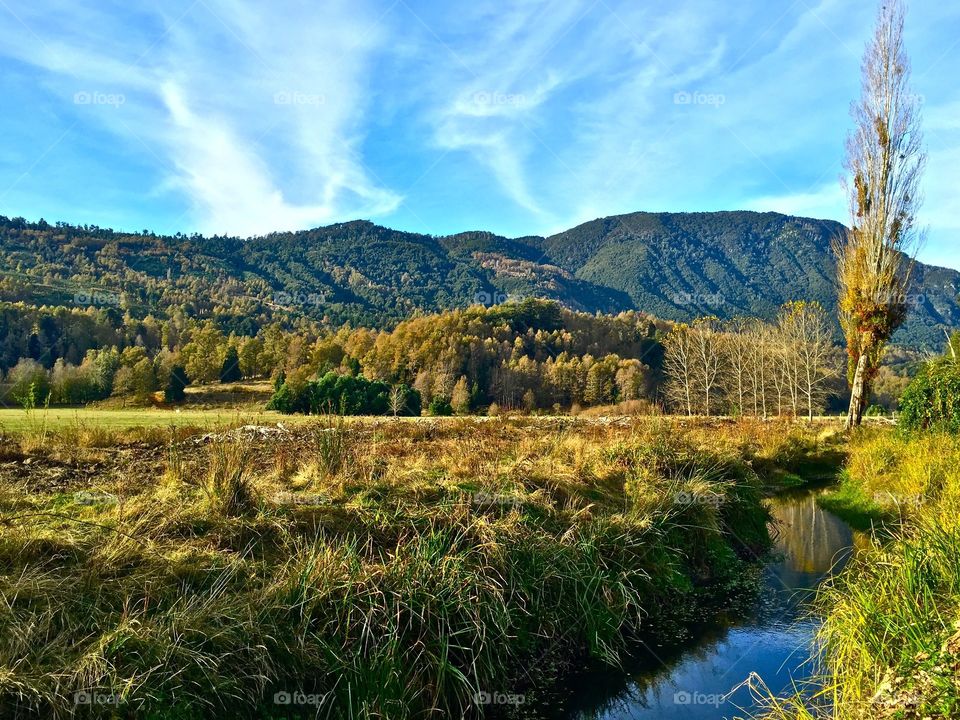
x=774 y=643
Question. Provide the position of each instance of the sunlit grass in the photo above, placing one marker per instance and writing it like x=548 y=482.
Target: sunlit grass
x=890 y=644
x=401 y=567
x=59 y=419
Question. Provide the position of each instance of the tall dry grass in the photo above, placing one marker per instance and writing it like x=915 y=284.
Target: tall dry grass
x=427 y=562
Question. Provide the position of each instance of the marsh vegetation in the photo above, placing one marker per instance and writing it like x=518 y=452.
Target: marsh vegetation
x=379 y=568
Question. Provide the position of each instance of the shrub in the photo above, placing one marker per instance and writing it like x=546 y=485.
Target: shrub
x=440 y=407
x=229 y=487
x=342 y=394
x=285 y=399
x=933 y=398
x=331 y=444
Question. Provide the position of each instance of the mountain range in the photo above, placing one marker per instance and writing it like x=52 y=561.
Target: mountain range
x=675 y=266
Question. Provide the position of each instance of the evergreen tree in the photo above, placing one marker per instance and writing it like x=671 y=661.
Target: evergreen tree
x=176 y=383
x=230 y=370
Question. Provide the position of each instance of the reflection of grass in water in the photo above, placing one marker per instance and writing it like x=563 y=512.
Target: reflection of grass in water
x=600 y=690
x=801 y=459
x=811 y=540
x=850 y=502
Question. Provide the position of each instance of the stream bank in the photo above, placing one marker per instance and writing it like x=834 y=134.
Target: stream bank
x=772 y=641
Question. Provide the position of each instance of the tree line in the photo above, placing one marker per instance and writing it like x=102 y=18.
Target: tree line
x=531 y=355
x=751 y=367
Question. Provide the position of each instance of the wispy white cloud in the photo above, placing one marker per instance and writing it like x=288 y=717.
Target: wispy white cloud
x=255 y=111
x=496 y=70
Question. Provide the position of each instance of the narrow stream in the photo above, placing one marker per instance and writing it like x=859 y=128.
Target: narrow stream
x=774 y=641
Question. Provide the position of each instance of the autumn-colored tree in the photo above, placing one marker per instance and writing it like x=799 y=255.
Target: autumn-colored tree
x=529 y=401
x=460 y=397
x=203 y=354
x=250 y=353
x=632 y=379
x=884 y=160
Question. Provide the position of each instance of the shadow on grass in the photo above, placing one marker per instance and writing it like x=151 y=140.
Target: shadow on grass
x=857 y=509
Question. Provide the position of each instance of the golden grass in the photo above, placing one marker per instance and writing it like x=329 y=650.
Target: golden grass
x=401 y=566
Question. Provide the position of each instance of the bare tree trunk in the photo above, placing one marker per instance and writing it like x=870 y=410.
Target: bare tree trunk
x=858 y=399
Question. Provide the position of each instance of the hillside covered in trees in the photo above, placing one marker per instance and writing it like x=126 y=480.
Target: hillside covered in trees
x=534 y=354
x=674 y=266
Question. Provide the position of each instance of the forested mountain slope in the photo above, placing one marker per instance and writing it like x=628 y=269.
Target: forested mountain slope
x=675 y=266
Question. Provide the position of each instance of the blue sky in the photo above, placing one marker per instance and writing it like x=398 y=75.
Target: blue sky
x=527 y=117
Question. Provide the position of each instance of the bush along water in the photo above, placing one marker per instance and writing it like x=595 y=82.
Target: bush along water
x=932 y=400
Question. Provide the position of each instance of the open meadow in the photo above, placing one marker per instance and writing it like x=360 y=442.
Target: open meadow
x=380 y=568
